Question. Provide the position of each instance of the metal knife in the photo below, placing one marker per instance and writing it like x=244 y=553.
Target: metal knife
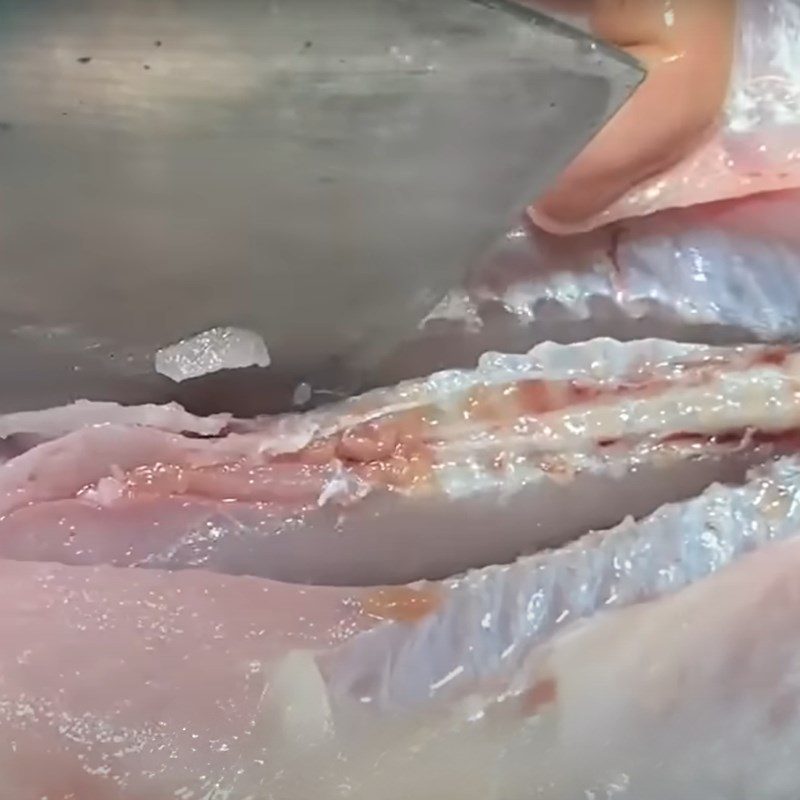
x=318 y=171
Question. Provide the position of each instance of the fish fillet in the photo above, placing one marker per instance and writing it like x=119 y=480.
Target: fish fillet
x=693 y=696
x=136 y=684
x=404 y=483
x=654 y=658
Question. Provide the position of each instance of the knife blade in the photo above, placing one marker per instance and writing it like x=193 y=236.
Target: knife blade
x=319 y=172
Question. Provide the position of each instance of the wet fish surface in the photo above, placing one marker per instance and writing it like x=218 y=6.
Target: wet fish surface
x=472 y=687
x=570 y=572
x=404 y=483
x=723 y=273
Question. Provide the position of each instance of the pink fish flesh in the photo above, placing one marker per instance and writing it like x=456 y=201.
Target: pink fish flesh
x=403 y=483
x=693 y=696
x=137 y=684
x=655 y=660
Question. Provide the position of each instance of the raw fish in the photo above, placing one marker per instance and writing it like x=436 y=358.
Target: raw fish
x=212 y=351
x=404 y=483
x=721 y=273
x=695 y=696
x=119 y=684
x=716 y=273
x=54 y=422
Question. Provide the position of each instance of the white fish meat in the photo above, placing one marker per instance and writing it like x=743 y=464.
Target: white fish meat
x=715 y=273
x=718 y=274
x=212 y=351
x=22 y=430
x=544 y=678
x=404 y=483
x=134 y=684
x=53 y=422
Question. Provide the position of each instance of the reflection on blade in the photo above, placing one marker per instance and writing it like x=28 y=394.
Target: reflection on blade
x=318 y=172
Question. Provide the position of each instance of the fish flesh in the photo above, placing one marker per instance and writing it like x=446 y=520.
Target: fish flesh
x=715 y=273
x=212 y=351
x=704 y=269
x=135 y=684
x=404 y=483
x=158 y=684
x=654 y=657
x=693 y=696
x=51 y=423
x=754 y=148
x=723 y=273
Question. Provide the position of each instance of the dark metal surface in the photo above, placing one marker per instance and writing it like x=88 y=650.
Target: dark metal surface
x=319 y=171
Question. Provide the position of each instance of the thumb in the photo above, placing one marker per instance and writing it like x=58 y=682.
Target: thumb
x=687 y=47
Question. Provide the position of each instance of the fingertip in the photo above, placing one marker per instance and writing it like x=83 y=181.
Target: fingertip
x=670 y=114
x=580 y=197
x=566 y=208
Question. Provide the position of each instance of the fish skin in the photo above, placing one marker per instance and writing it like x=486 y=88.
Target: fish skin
x=531 y=600
x=719 y=274
x=136 y=684
x=716 y=273
x=754 y=149
x=692 y=696
x=574 y=437
x=692 y=263
x=726 y=266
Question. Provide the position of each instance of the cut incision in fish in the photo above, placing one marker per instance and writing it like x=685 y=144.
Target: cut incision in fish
x=424 y=480
x=723 y=273
x=477 y=685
